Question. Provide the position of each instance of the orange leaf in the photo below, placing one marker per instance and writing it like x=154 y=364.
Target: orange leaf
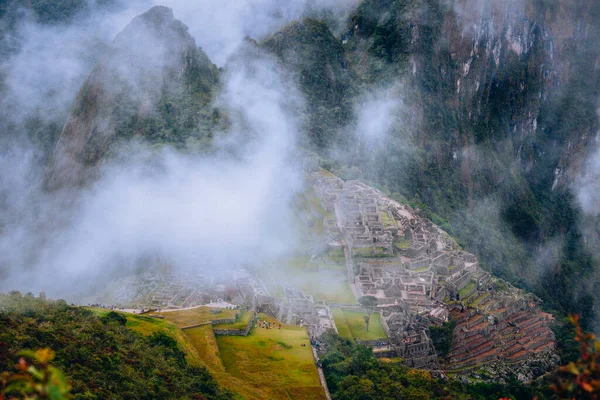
x=587 y=387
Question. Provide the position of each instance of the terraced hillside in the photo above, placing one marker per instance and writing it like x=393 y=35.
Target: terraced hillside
x=265 y=364
x=420 y=278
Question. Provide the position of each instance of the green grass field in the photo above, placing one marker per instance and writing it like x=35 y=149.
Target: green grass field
x=336 y=253
x=198 y=315
x=267 y=364
x=385 y=219
x=351 y=325
x=203 y=339
x=402 y=244
x=297 y=264
x=323 y=289
x=330 y=284
x=367 y=252
x=273 y=361
x=332 y=266
x=341 y=324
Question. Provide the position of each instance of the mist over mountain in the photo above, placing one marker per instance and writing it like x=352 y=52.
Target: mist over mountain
x=498 y=106
x=503 y=102
x=132 y=132
x=153 y=82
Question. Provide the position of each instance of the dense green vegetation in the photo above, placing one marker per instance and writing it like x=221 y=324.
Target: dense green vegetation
x=442 y=337
x=182 y=113
x=100 y=356
x=320 y=68
x=46 y=11
x=353 y=373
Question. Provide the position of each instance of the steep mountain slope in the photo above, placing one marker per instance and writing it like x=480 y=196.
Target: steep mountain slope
x=502 y=98
x=498 y=113
x=153 y=82
x=319 y=63
x=115 y=356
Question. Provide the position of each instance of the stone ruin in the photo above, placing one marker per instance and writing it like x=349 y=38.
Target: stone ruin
x=360 y=219
x=420 y=278
x=407 y=337
x=153 y=289
x=418 y=274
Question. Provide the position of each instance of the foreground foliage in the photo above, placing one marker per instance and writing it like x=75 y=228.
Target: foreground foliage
x=100 y=357
x=581 y=379
x=37 y=379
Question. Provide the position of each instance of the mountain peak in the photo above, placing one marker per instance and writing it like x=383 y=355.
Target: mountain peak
x=153 y=59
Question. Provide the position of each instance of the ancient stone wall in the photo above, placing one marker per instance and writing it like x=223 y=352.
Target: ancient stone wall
x=236 y=332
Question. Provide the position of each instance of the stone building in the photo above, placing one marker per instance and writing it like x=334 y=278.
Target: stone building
x=420 y=277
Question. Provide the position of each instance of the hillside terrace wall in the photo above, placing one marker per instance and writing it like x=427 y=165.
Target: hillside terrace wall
x=460 y=281
x=415 y=251
x=387 y=353
x=443 y=260
x=473 y=289
x=236 y=332
x=196 y=325
x=422 y=362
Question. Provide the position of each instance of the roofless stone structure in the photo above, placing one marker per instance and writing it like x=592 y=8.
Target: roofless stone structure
x=421 y=277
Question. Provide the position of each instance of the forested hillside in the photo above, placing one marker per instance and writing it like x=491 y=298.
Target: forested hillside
x=101 y=357
x=505 y=102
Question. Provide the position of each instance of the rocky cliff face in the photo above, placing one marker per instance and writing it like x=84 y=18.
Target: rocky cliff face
x=501 y=74
x=153 y=82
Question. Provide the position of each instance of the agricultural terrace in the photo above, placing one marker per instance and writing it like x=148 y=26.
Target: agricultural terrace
x=204 y=341
x=198 y=315
x=273 y=361
x=241 y=322
x=267 y=364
